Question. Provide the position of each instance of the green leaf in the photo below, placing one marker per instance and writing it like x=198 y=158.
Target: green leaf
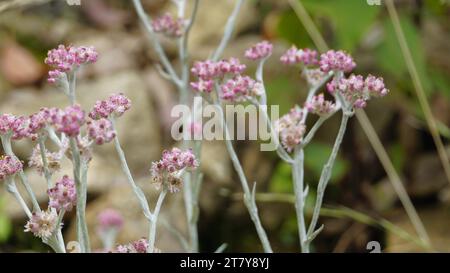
x=291 y=29
x=317 y=154
x=350 y=19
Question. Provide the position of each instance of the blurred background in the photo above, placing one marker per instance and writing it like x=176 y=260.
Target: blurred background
x=360 y=204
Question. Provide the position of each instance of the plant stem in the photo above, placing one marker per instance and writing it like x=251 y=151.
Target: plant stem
x=325 y=178
x=79 y=173
x=298 y=178
x=42 y=149
x=154 y=221
x=229 y=27
x=123 y=162
x=249 y=199
x=12 y=188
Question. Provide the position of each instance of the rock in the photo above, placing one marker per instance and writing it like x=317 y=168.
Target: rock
x=18 y=66
x=436 y=222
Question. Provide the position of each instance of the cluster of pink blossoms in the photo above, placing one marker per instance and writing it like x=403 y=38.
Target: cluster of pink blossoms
x=139 y=246
x=42 y=223
x=63 y=195
x=169 y=26
x=9 y=166
x=291 y=128
x=336 y=61
x=320 y=106
x=208 y=71
x=259 y=51
x=101 y=131
x=167 y=171
x=110 y=219
x=15 y=126
x=67 y=58
x=295 y=56
x=115 y=106
x=68 y=121
x=357 y=91
x=240 y=88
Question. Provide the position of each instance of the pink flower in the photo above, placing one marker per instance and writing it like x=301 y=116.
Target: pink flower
x=231 y=66
x=259 y=51
x=42 y=224
x=69 y=120
x=169 y=26
x=17 y=127
x=67 y=58
x=203 y=86
x=294 y=56
x=375 y=86
x=139 y=246
x=101 y=131
x=240 y=88
x=110 y=219
x=208 y=70
x=63 y=195
x=336 y=60
x=319 y=106
x=9 y=166
x=171 y=166
x=115 y=105
x=291 y=129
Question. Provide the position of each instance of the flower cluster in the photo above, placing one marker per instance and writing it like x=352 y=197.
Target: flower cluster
x=320 y=106
x=69 y=120
x=167 y=171
x=115 y=105
x=139 y=246
x=42 y=224
x=169 y=26
x=101 y=131
x=9 y=166
x=16 y=127
x=63 y=195
x=110 y=219
x=240 y=88
x=291 y=128
x=53 y=160
x=259 y=51
x=67 y=58
x=336 y=61
x=356 y=90
x=294 y=56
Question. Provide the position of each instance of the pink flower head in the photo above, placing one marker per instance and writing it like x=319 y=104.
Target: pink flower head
x=259 y=51
x=115 y=105
x=139 y=246
x=319 y=106
x=101 y=131
x=240 y=88
x=42 y=224
x=171 y=166
x=336 y=60
x=169 y=26
x=294 y=56
x=9 y=166
x=205 y=70
x=203 y=86
x=291 y=129
x=67 y=58
x=375 y=86
x=110 y=219
x=231 y=66
x=63 y=195
x=69 y=120
x=16 y=127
